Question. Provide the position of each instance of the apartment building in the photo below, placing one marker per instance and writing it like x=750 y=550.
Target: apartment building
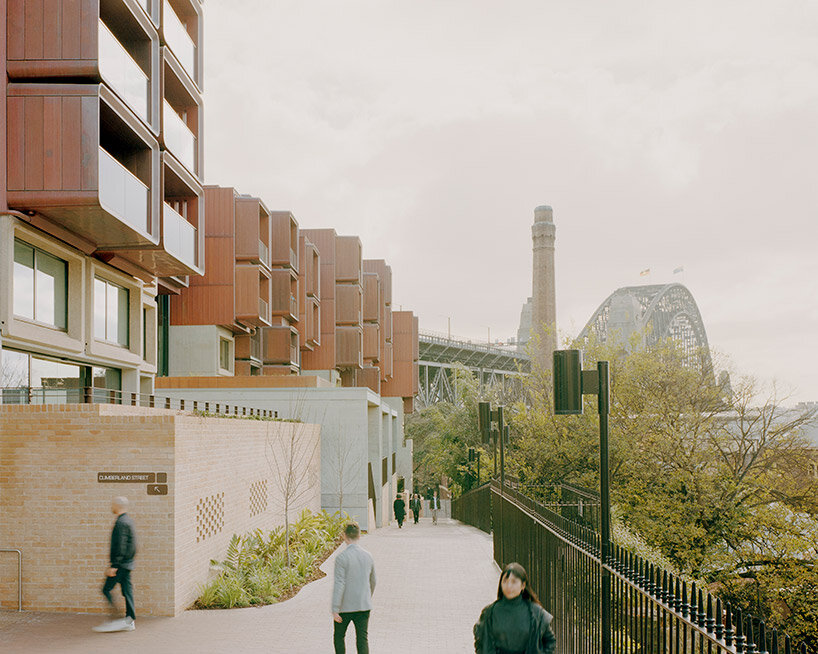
x=101 y=215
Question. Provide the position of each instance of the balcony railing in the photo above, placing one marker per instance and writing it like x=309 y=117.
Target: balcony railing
x=293 y=259
x=293 y=306
x=264 y=253
x=262 y=309
x=122 y=194
x=122 y=73
x=180 y=237
x=178 y=137
x=179 y=40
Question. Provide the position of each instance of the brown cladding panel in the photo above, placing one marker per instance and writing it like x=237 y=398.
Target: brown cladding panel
x=89 y=142
x=348 y=304
x=52 y=42
x=71 y=145
x=415 y=344
x=15 y=29
x=71 y=20
x=247 y=291
x=402 y=383
x=16 y=152
x=220 y=263
x=275 y=347
x=369 y=377
x=372 y=342
x=33 y=29
x=328 y=317
x=281 y=244
x=202 y=305
x=384 y=272
x=247 y=229
x=349 y=345
x=280 y=290
x=372 y=297
x=52 y=164
x=33 y=135
x=89 y=32
x=219 y=213
x=348 y=260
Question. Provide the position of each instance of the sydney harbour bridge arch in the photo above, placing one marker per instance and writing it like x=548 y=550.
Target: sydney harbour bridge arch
x=657 y=312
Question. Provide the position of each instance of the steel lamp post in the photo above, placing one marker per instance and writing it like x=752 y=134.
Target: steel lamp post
x=571 y=382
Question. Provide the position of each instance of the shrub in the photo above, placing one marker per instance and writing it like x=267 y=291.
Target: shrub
x=254 y=570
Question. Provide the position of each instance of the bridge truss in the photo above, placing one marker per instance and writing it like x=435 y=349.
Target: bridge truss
x=440 y=356
x=657 y=312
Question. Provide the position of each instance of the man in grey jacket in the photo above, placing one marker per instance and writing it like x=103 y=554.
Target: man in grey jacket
x=352 y=592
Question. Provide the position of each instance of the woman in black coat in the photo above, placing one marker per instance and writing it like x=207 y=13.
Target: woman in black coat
x=399 y=507
x=516 y=623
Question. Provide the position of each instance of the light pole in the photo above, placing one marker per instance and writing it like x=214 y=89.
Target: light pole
x=494 y=434
x=571 y=382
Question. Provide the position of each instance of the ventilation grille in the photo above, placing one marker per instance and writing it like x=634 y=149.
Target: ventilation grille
x=258 y=497
x=209 y=516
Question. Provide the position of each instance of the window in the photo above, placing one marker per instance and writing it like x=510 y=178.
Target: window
x=40 y=286
x=110 y=312
x=225 y=362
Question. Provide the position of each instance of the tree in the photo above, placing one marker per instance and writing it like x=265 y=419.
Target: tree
x=344 y=460
x=717 y=481
x=290 y=451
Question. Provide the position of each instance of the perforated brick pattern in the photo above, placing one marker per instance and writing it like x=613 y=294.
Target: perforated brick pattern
x=258 y=497
x=209 y=516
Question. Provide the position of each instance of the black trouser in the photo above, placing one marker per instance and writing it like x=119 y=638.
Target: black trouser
x=123 y=578
x=361 y=620
x=401 y=518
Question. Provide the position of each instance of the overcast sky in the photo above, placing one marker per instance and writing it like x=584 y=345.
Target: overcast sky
x=663 y=134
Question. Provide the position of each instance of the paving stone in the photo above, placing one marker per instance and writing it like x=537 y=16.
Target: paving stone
x=432 y=583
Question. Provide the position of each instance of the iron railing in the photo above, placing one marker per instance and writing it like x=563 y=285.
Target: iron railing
x=652 y=611
x=93 y=395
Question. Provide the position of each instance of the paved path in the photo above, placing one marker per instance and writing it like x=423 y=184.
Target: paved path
x=432 y=583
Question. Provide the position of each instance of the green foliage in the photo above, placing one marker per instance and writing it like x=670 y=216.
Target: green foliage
x=714 y=482
x=442 y=434
x=254 y=570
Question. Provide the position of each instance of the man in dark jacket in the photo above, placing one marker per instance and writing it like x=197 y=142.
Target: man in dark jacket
x=414 y=504
x=123 y=551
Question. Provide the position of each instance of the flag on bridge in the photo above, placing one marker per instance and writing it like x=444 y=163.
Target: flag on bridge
x=645 y=272
x=678 y=270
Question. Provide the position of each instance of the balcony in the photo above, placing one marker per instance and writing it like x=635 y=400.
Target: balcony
x=178 y=39
x=263 y=253
x=251 y=293
x=181 y=239
x=263 y=309
x=122 y=193
x=123 y=74
x=178 y=138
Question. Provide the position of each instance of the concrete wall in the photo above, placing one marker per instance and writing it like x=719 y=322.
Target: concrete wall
x=351 y=422
x=53 y=507
x=194 y=350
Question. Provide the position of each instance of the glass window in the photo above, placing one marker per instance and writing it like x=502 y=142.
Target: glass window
x=40 y=286
x=55 y=381
x=14 y=377
x=224 y=354
x=110 y=312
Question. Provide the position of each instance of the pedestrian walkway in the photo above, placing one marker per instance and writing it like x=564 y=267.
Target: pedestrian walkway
x=432 y=583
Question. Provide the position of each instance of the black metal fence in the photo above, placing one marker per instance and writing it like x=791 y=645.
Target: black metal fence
x=94 y=395
x=652 y=611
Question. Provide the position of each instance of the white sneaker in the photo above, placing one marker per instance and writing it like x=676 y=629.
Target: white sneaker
x=121 y=624
x=110 y=625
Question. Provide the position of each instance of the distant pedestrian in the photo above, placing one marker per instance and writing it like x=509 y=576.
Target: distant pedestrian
x=123 y=551
x=516 y=623
x=415 y=504
x=434 y=507
x=352 y=592
x=399 y=506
